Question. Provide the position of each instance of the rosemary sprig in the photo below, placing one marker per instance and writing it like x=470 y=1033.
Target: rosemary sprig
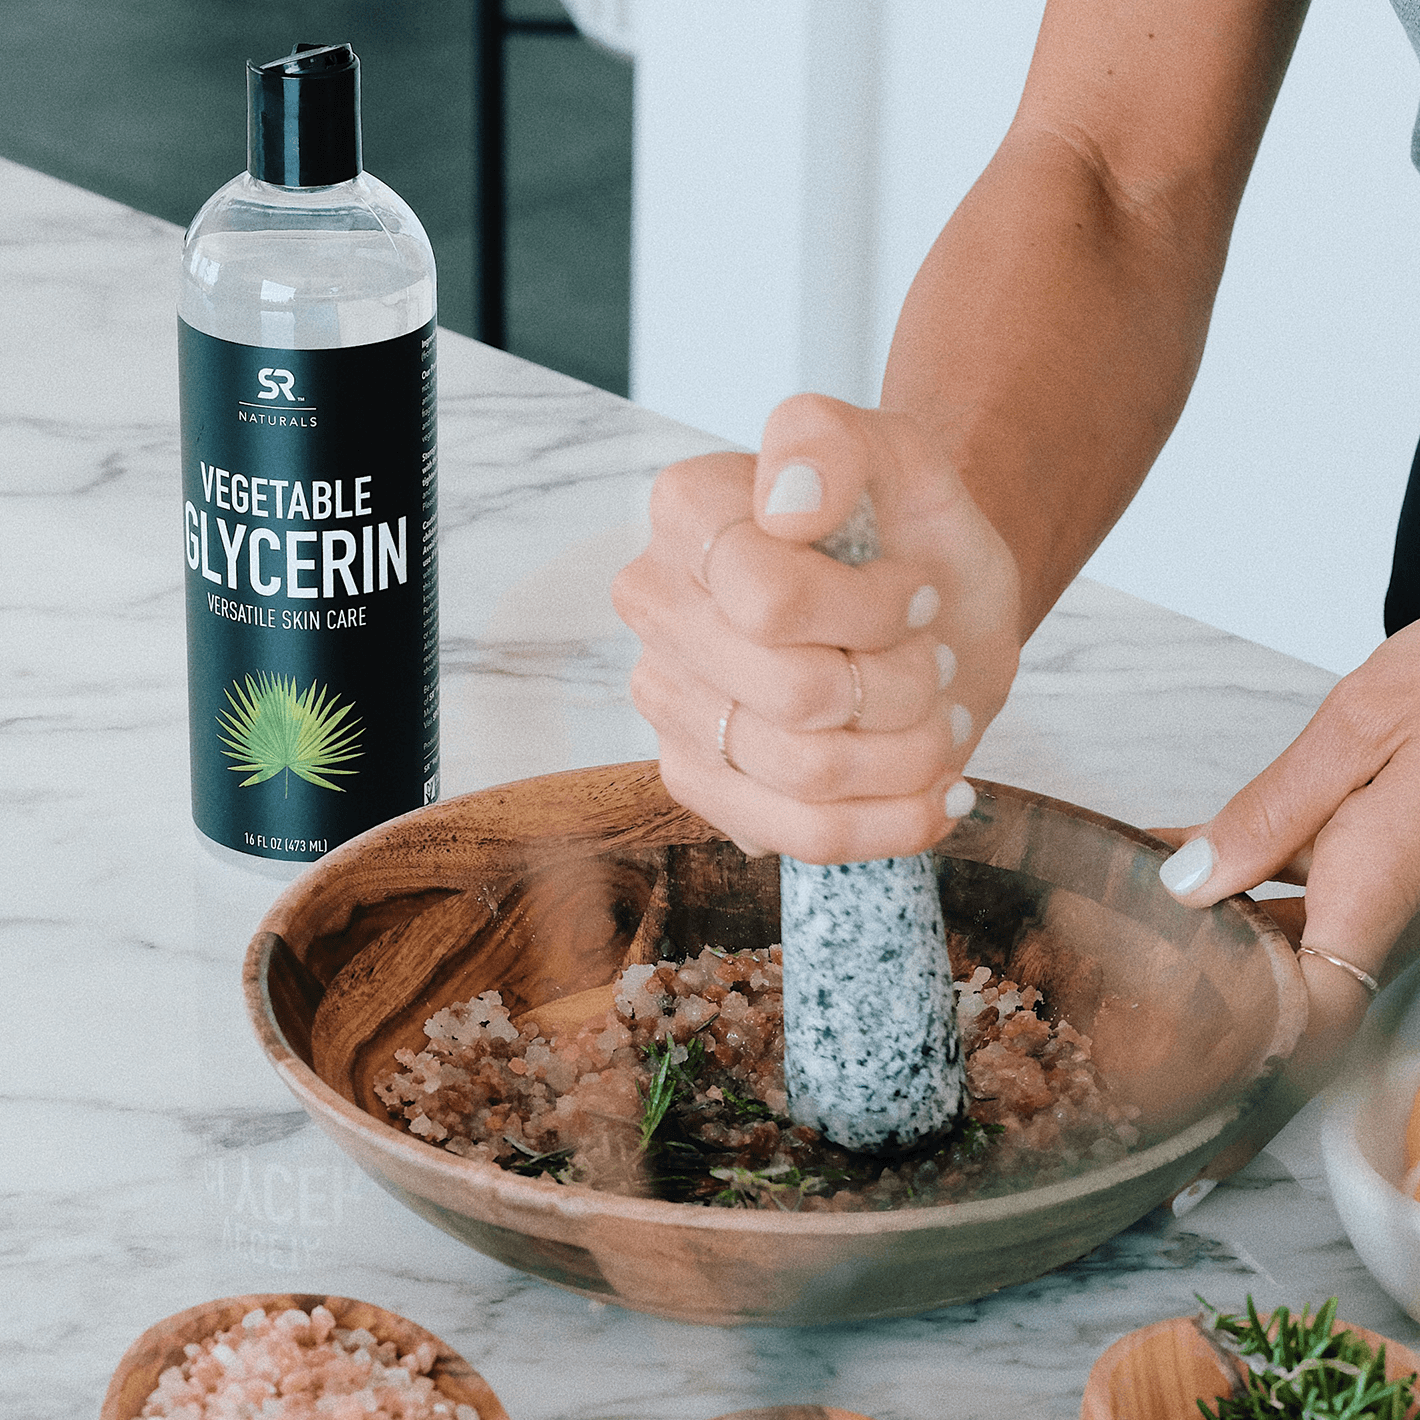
x=1296 y=1369
x=780 y=1184
x=669 y=1078
x=971 y=1138
x=532 y=1164
x=746 y=1106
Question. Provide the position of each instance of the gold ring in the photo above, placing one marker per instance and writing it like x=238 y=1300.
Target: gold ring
x=723 y=731
x=1369 y=982
x=708 y=546
x=857 y=676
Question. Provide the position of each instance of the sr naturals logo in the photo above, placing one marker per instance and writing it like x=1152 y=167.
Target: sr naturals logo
x=276 y=383
x=277 y=402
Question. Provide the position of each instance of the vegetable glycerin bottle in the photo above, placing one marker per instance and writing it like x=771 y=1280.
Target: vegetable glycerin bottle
x=306 y=364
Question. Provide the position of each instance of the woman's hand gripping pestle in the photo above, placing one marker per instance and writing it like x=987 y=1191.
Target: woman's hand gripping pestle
x=824 y=711
x=872 y=1054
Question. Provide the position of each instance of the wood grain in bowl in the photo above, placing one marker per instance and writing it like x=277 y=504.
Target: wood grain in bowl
x=794 y=1412
x=545 y=889
x=1160 y=1372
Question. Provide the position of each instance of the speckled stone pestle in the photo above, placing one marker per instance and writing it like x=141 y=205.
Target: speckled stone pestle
x=872 y=1057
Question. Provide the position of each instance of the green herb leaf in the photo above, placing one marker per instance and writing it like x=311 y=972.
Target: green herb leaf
x=532 y=1164
x=1296 y=1369
x=272 y=727
x=781 y=1185
x=746 y=1105
x=669 y=1079
x=972 y=1138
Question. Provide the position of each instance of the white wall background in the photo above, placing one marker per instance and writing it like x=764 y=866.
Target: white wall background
x=795 y=159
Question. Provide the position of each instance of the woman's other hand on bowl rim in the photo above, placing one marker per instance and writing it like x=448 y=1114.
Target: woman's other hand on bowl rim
x=1337 y=813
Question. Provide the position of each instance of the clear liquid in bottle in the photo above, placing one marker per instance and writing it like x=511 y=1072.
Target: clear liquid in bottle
x=309 y=444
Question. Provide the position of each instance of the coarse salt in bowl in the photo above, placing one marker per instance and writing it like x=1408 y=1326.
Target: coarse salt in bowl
x=294 y=1357
x=544 y=889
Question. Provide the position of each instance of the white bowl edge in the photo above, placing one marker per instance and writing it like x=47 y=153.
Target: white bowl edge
x=1362 y=1142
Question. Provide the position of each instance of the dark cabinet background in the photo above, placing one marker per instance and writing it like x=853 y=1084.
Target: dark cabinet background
x=145 y=101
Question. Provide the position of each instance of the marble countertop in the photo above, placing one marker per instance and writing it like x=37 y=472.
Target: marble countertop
x=149 y=1157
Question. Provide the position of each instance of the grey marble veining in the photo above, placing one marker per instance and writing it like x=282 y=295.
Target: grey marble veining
x=149 y=1158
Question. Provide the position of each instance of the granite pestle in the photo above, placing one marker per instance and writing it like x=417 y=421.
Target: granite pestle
x=872 y=1055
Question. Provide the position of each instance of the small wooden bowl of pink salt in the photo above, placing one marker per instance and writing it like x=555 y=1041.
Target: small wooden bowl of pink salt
x=329 y=1357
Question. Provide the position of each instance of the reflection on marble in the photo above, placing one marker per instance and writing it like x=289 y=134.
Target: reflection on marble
x=150 y=1158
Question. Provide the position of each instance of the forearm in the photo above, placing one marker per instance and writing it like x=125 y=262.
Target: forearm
x=1054 y=347
x=1054 y=331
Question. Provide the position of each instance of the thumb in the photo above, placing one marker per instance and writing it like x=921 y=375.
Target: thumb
x=1325 y=813
x=1215 y=859
x=816 y=458
x=1268 y=830
x=1288 y=912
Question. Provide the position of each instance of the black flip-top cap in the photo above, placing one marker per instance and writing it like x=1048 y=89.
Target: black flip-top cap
x=303 y=117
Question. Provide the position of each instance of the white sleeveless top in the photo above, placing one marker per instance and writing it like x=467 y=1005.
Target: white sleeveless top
x=1409 y=12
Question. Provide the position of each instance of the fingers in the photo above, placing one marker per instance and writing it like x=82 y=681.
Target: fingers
x=693 y=504
x=819 y=456
x=776 y=593
x=771 y=590
x=860 y=691
x=1337 y=810
x=779 y=816
x=1362 y=726
x=815 y=768
x=771 y=624
x=798 y=687
x=1364 y=883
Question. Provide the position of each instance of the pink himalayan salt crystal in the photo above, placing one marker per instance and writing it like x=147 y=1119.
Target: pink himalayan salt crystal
x=299 y=1366
x=570 y=1106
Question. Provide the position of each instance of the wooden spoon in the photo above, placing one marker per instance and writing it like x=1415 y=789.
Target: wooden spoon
x=1160 y=1371
x=564 y=1016
x=1412 y=1143
x=136 y=1376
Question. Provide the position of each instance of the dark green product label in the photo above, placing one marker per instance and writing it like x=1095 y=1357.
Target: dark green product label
x=309 y=524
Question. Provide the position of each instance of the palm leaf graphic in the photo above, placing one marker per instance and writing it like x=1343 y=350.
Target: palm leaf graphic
x=272 y=726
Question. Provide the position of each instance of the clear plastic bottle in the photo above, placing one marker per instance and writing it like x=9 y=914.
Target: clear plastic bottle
x=306 y=343
x=306 y=268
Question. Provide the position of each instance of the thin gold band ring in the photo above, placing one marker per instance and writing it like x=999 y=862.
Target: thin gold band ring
x=1369 y=982
x=708 y=546
x=723 y=731
x=857 y=675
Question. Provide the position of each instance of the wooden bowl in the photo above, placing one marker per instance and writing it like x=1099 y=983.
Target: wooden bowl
x=161 y=1345
x=545 y=887
x=794 y=1412
x=1160 y=1372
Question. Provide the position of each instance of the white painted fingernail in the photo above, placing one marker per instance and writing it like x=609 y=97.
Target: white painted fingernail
x=797 y=489
x=1187 y=1199
x=1188 y=869
x=923 y=608
x=946 y=666
x=962 y=725
x=960 y=800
